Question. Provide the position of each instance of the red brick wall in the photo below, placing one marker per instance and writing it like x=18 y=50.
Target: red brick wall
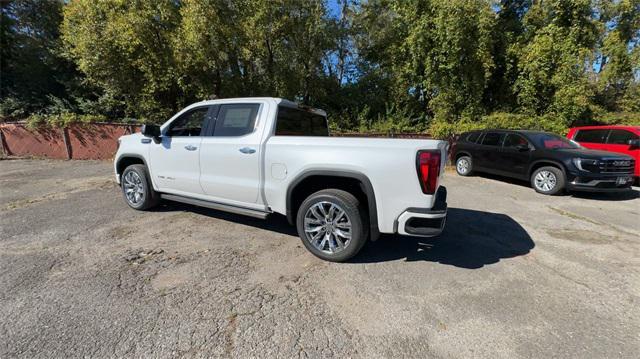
x=19 y=141
x=95 y=141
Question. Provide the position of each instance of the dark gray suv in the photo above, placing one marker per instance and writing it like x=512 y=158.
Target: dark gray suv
x=550 y=162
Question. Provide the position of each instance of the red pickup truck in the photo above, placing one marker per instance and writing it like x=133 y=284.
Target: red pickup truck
x=621 y=139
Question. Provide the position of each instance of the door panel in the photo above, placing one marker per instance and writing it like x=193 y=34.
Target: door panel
x=488 y=152
x=230 y=159
x=175 y=160
x=513 y=159
x=618 y=141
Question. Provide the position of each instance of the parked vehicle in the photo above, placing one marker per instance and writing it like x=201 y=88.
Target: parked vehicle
x=550 y=162
x=620 y=139
x=258 y=156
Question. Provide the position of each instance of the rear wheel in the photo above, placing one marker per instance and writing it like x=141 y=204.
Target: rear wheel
x=332 y=225
x=137 y=189
x=464 y=166
x=548 y=180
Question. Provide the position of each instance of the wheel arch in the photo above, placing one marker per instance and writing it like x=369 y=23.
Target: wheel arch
x=543 y=163
x=460 y=154
x=127 y=159
x=312 y=180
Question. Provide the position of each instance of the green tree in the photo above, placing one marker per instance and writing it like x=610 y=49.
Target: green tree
x=373 y=64
x=123 y=48
x=438 y=54
x=555 y=59
x=619 y=60
x=33 y=74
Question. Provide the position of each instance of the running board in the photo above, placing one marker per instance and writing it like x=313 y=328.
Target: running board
x=214 y=205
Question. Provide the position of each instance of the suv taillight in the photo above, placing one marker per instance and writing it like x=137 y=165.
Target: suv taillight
x=428 y=166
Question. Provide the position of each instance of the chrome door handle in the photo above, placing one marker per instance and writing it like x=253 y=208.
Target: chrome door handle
x=190 y=147
x=247 y=150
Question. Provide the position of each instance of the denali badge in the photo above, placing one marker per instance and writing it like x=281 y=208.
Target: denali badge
x=621 y=163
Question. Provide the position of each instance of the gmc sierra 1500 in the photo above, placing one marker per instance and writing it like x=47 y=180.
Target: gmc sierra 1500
x=257 y=156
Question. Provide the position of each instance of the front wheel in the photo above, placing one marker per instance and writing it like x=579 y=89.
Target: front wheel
x=548 y=180
x=137 y=189
x=332 y=225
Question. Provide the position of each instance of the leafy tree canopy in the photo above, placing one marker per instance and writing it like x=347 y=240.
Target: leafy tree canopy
x=402 y=65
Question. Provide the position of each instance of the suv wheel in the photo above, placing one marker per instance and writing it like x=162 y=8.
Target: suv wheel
x=137 y=189
x=464 y=166
x=332 y=225
x=548 y=180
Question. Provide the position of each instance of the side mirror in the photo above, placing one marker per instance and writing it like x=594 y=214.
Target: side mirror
x=522 y=148
x=152 y=131
x=634 y=144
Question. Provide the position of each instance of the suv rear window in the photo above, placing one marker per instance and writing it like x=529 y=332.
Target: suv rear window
x=621 y=137
x=298 y=122
x=591 y=136
x=472 y=137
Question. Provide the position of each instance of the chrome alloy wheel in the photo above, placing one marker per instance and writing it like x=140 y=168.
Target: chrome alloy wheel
x=463 y=166
x=327 y=227
x=545 y=181
x=133 y=188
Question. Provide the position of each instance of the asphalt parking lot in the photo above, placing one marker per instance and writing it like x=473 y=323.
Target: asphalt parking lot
x=514 y=275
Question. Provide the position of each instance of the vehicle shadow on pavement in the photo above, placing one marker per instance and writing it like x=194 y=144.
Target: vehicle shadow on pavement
x=471 y=240
x=275 y=222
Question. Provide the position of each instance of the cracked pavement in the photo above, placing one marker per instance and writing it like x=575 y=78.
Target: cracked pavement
x=514 y=275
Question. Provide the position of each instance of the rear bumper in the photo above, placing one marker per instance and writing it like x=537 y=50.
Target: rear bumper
x=425 y=222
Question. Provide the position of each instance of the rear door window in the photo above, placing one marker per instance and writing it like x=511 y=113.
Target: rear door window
x=591 y=136
x=236 y=119
x=492 y=139
x=621 y=137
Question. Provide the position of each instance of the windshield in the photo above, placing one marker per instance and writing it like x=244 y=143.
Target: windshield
x=550 y=141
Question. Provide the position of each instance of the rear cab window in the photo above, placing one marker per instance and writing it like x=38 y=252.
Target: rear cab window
x=300 y=122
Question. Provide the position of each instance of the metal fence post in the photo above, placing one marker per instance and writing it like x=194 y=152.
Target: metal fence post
x=5 y=151
x=67 y=142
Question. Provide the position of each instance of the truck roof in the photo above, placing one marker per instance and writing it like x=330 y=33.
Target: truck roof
x=277 y=100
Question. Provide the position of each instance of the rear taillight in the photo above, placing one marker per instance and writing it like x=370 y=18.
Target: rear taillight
x=428 y=166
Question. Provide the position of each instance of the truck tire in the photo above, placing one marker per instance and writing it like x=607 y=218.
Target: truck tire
x=548 y=180
x=464 y=166
x=332 y=224
x=137 y=189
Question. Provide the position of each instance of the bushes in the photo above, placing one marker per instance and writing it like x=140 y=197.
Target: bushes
x=619 y=118
x=61 y=120
x=550 y=123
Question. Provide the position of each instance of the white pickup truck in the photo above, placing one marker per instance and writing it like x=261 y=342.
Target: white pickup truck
x=258 y=156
